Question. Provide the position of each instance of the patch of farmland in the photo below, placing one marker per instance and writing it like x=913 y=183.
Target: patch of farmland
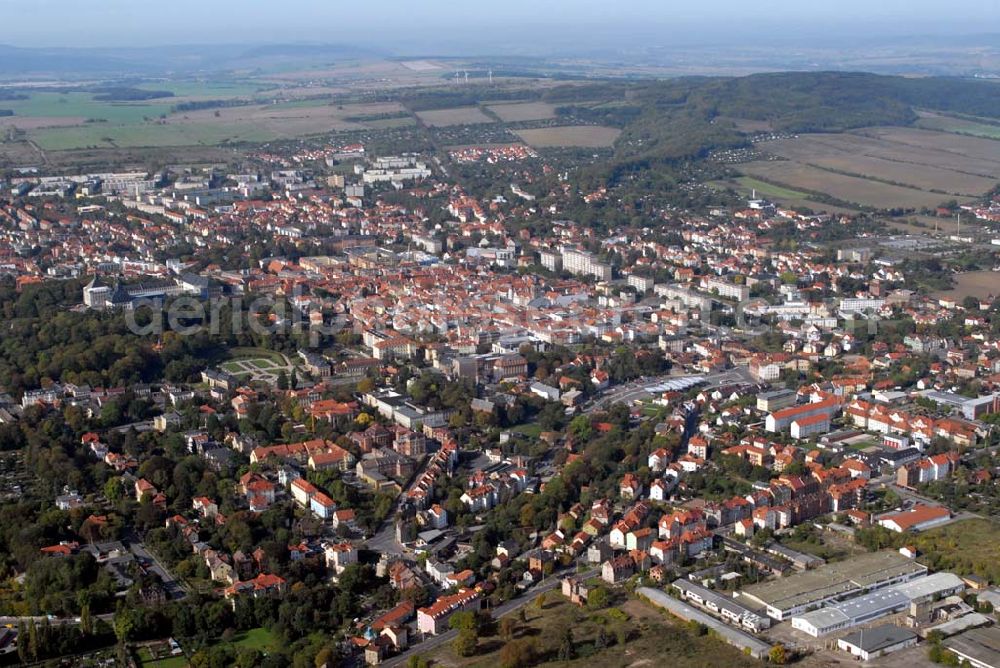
x=35 y=122
x=973 y=147
x=960 y=126
x=455 y=116
x=523 y=111
x=928 y=176
x=582 y=136
x=844 y=188
x=285 y=119
x=858 y=144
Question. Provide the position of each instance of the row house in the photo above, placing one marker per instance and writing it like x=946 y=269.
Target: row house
x=679 y=521
x=433 y=619
x=927 y=469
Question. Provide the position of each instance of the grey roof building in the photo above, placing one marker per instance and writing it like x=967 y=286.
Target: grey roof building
x=871 y=643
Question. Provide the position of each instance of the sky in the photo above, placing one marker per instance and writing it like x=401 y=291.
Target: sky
x=480 y=24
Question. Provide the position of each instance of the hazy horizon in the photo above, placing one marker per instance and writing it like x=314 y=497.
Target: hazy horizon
x=398 y=27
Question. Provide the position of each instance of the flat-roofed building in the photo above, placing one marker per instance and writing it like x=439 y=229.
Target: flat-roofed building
x=775 y=400
x=876 y=604
x=980 y=647
x=583 y=263
x=724 y=606
x=797 y=593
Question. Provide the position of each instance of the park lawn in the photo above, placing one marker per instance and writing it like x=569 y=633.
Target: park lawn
x=170 y=662
x=241 y=353
x=654 y=639
x=259 y=639
x=531 y=430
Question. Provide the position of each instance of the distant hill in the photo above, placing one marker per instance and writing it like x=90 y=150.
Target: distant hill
x=685 y=118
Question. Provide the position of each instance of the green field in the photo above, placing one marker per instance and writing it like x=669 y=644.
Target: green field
x=959 y=126
x=63 y=121
x=768 y=190
x=260 y=639
x=83 y=105
x=245 y=353
x=148 y=134
x=236 y=369
x=531 y=430
x=208 y=90
x=172 y=662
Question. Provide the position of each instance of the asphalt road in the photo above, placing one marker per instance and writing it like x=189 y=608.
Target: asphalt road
x=145 y=425
x=433 y=642
x=384 y=540
x=55 y=621
x=175 y=589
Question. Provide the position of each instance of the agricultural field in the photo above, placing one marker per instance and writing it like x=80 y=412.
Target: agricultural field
x=212 y=127
x=145 y=135
x=437 y=118
x=850 y=189
x=292 y=118
x=979 y=284
x=767 y=190
x=746 y=186
x=935 y=149
x=18 y=153
x=80 y=105
x=972 y=148
x=883 y=162
x=523 y=111
x=961 y=126
x=62 y=121
x=581 y=136
x=885 y=168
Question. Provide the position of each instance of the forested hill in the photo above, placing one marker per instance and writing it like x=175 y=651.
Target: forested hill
x=687 y=117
